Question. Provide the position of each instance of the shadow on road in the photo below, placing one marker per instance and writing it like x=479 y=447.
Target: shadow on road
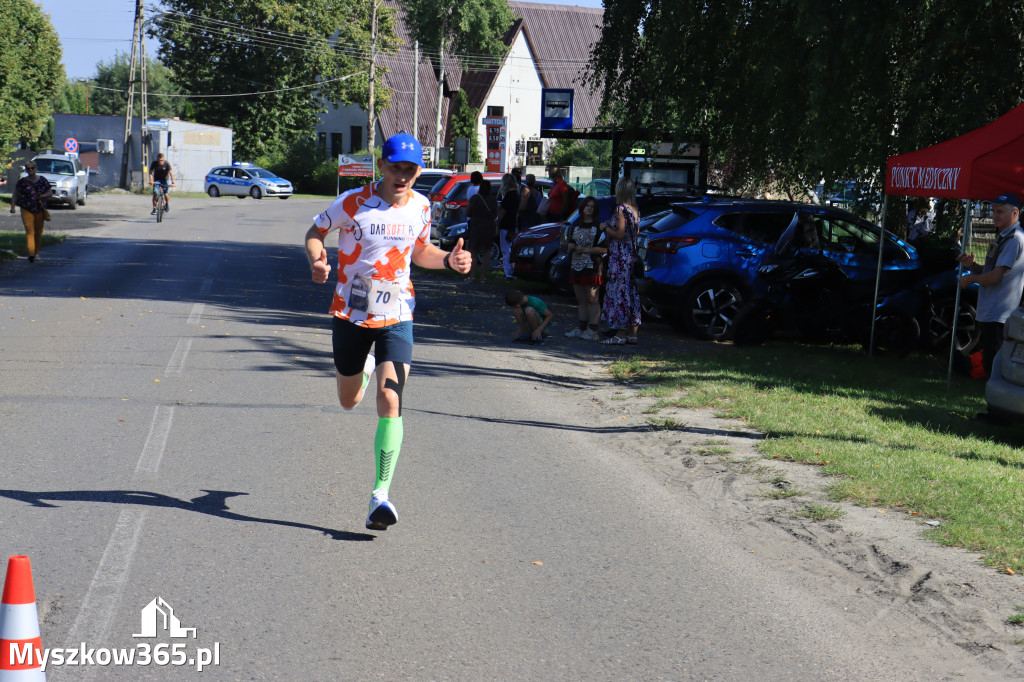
x=213 y=503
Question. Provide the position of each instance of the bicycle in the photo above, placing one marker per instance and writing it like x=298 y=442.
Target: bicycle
x=161 y=201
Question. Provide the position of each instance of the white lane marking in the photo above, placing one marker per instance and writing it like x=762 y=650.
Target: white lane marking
x=197 y=313
x=92 y=625
x=153 y=450
x=177 y=362
x=93 y=622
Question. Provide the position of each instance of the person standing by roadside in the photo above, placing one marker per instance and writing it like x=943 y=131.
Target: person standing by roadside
x=529 y=203
x=481 y=231
x=558 y=195
x=621 y=300
x=585 y=270
x=508 y=219
x=30 y=194
x=383 y=229
x=1001 y=278
x=475 y=178
x=159 y=173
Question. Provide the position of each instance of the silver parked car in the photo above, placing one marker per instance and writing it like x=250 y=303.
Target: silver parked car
x=1004 y=391
x=67 y=177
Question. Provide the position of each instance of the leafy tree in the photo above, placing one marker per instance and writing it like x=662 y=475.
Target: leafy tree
x=789 y=92
x=31 y=73
x=594 y=153
x=474 y=27
x=272 y=50
x=463 y=124
x=108 y=90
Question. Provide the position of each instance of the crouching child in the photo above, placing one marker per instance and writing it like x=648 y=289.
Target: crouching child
x=532 y=314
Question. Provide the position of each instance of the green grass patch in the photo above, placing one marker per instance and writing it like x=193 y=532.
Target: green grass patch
x=784 y=493
x=886 y=429
x=15 y=241
x=1017 y=618
x=712 y=448
x=820 y=512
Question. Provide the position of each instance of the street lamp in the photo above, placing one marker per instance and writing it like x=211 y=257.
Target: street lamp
x=86 y=81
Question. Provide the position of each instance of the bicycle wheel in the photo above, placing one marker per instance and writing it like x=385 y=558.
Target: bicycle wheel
x=160 y=208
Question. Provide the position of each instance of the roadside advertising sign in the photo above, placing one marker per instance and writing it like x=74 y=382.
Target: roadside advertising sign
x=497 y=130
x=355 y=166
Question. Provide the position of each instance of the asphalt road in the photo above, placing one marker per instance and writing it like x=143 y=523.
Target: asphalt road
x=170 y=430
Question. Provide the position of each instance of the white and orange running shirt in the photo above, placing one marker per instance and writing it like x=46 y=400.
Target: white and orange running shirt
x=375 y=247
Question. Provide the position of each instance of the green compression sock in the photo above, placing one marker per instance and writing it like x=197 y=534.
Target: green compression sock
x=386 y=445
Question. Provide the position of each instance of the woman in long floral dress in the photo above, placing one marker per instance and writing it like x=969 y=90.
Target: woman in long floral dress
x=621 y=300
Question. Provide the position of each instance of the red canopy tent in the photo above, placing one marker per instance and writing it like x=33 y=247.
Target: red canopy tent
x=981 y=164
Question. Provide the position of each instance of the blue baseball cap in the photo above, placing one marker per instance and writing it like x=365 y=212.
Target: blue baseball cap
x=1007 y=198
x=403 y=147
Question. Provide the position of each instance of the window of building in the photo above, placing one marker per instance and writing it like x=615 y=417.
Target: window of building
x=495 y=111
x=355 y=139
x=336 y=147
x=322 y=141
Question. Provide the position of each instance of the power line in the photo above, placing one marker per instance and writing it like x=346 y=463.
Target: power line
x=238 y=94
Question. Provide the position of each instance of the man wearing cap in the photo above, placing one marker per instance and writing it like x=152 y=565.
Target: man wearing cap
x=1001 y=278
x=383 y=229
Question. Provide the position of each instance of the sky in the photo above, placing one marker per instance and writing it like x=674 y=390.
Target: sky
x=95 y=31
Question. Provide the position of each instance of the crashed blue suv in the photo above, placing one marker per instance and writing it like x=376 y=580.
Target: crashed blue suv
x=700 y=262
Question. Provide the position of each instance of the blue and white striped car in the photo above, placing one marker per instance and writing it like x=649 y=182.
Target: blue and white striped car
x=241 y=179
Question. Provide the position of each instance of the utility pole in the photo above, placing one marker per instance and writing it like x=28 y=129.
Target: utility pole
x=145 y=109
x=440 y=98
x=371 y=115
x=136 y=46
x=415 y=93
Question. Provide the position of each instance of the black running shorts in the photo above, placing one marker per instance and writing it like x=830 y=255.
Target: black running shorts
x=352 y=344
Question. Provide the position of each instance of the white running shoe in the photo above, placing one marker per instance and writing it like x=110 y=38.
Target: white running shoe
x=382 y=512
x=573 y=333
x=590 y=335
x=371 y=364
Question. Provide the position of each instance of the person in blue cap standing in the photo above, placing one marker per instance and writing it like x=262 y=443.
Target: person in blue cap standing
x=1001 y=279
x=383 y=229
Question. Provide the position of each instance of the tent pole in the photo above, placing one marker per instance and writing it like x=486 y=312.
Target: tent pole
x=965 y=243
x=878 y=279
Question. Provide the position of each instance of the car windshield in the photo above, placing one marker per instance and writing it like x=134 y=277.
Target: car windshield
x=54 y=167
x=260 y=173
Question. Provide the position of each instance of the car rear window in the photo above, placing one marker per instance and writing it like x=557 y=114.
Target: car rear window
x=428 y=181
x=677 y=218
x=439 y=185
x=458 y=193
x=764 y=227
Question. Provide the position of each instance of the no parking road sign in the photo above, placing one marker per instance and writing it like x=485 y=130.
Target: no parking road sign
x=71 y=145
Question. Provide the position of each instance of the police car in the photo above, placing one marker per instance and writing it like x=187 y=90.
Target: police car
x=241 y=179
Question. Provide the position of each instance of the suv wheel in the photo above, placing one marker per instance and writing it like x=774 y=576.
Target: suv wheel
x=709 y=309
x=940 y=324
x=83 y=196
x=73 y=204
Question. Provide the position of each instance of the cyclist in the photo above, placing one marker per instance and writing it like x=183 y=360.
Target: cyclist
x=159 y=172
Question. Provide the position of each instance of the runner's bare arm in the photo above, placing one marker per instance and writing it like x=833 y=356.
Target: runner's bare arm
x=316 y=254
x=433 y=258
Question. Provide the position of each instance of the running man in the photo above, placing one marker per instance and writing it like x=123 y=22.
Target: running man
x=383 y=228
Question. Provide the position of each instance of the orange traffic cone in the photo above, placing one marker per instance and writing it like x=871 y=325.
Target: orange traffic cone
x=21 y=649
